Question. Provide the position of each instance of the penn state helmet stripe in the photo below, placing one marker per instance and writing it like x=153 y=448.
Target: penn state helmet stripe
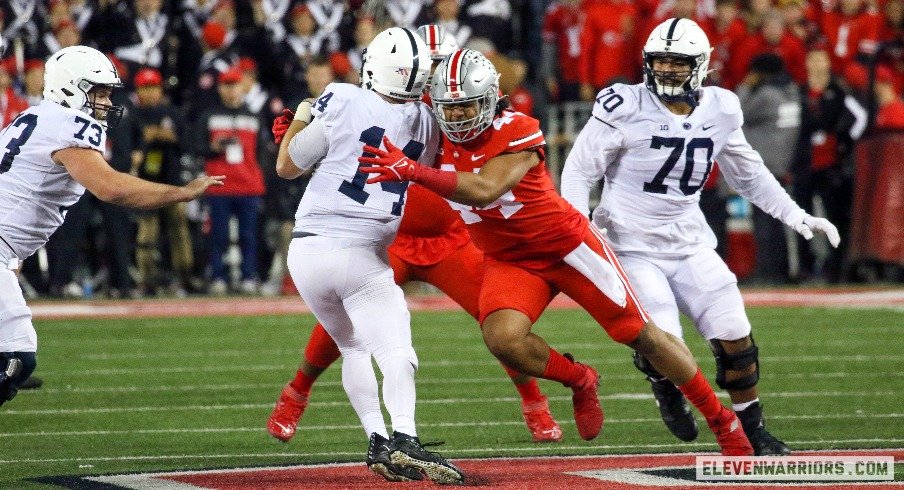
x=415 y=61
x=671 y=33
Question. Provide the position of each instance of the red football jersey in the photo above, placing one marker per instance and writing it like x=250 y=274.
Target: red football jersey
x=531 y=225
x=430 y=230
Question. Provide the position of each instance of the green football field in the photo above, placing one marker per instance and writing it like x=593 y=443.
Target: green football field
x=191 y=393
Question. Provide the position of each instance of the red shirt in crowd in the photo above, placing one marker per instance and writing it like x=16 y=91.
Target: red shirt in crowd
x=562 y=27
x=10 y=106
x=891 y=116
x=607 y=46
x=789 y=48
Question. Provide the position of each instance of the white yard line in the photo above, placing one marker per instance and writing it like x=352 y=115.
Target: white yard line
x=427 y=401
x=357 y=427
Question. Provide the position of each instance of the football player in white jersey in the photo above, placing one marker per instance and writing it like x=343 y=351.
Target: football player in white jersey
x=49 y=155
x=654 y=144
x=343 y=226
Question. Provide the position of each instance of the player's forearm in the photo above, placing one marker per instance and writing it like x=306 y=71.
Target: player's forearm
x=285 y=167
x=475 y=190
x=129 y=191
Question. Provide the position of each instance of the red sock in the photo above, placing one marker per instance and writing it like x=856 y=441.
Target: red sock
x=302 y=383
x=530 y=391
x=700 y=393
x=560 y=368
x=320 y=352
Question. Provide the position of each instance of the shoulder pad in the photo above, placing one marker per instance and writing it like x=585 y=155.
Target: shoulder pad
x=521 y=131
x=83 y=131
x=727 y=103
x=616 y=103
x=335 y=96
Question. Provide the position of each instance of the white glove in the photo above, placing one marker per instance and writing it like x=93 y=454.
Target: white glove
x=811 y=223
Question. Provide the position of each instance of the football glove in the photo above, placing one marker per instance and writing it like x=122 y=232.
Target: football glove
x=281 y=124
x=811 y=223
x=390 y=165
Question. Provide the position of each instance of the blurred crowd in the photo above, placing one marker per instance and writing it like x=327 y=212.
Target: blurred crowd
x=204 y=79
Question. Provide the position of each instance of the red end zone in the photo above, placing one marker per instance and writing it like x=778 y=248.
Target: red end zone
x=674 y=471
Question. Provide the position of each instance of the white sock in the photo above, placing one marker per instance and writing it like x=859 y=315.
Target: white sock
x=738 y=407
x=360 y=383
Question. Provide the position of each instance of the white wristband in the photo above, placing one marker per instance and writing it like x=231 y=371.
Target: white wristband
x=303 y=112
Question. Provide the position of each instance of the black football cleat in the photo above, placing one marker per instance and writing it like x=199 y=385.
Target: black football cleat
x=674 y=410
x=379 y=462
x=764 y=443
x=407 y=451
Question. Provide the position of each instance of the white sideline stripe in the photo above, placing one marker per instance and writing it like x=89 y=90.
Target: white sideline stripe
x=356 y=427
x=434 y=401
x=420 y=381
x=432 y=364
x=460 y=452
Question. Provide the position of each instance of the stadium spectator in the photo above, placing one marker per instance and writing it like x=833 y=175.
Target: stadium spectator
x=800 y=20
x=770 y=101
x=725 y=31
x=492 y=19
x=606 y=46
x=448 y=15
x=141 y=37
x=217 y=58
x=228 y=137
x=22 y=20
x=833 y=120
x=304 y=43
x=771 y=38
x=158 y=127
x=365 y=30
x=562 y=49
x=33 y=81
x=408 y=13
x=11 y=104
x=891 y=107
x=850 y=29
x=65 y=33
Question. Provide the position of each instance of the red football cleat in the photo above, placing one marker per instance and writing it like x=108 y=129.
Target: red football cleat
x=284 y=419
x=539 y=421
x=730 y=434
x=588 y=415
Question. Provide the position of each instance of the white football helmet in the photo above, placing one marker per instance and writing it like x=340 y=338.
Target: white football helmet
x=72 y=72
x=682 y=39
x=440 y=43
x=396 y=64
x=465 y=76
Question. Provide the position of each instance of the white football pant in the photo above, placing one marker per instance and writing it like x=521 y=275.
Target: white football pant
x=348 y=284
x=700 y=285
x=17 y=334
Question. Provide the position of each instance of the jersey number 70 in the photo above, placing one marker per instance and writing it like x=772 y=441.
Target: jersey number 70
x=657 y=185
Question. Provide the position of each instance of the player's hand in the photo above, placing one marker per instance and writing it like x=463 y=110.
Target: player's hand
x=281 y=124
x=812 y=223
x=390 y=165
x=195 y=188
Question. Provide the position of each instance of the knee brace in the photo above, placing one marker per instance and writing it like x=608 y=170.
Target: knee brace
x=736 y=361
x=644 y=366
x=15 y=368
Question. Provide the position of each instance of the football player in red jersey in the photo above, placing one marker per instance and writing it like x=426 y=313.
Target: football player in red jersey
x=432 y=246
x=537 y=245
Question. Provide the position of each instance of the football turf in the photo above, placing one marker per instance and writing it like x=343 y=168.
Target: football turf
x=166 y=394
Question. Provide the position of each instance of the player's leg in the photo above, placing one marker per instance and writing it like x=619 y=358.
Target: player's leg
x=709 y=294
x=458 y=275
x=510 y=302
x=319 y=267
x=626 y=321
x=18 y=339
x=655 y=294
x=319 y=353
x=377 y=308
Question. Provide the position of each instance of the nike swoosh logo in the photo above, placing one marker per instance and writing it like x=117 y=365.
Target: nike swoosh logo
x=474 y=158
x=281 y=426
x=707 y=127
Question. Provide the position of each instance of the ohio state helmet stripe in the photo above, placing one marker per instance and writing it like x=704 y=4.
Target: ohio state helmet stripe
x=455 y=70
x=415 y=62
x=668 y=37
x=431 y=30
